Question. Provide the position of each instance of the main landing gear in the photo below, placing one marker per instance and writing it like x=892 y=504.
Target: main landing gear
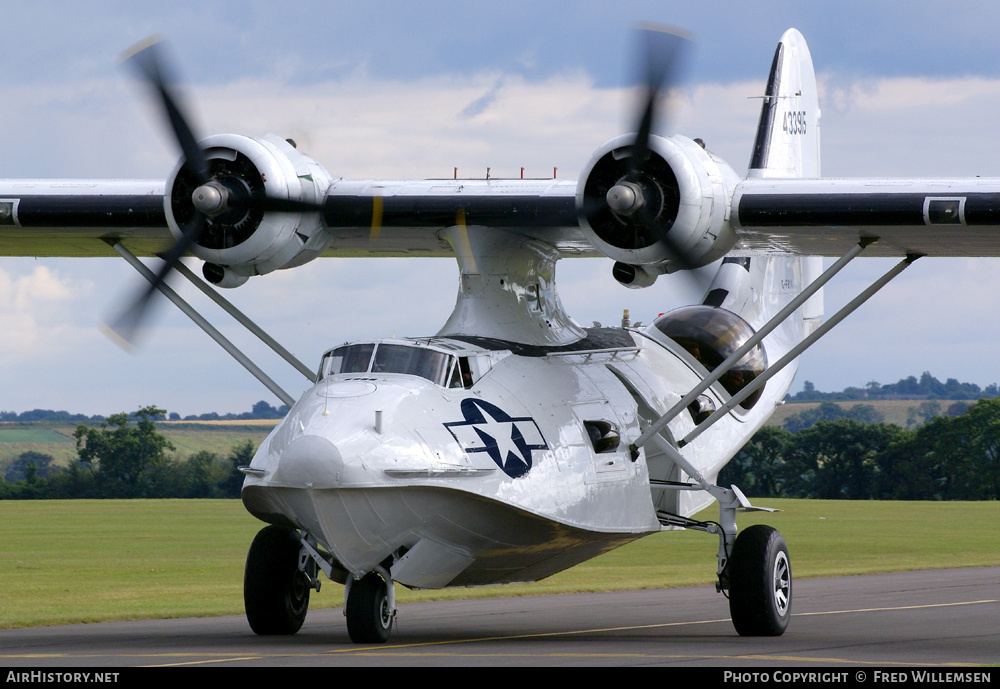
x=755 y=572
x=282 y=566
x=276 y=582
x=760 y=582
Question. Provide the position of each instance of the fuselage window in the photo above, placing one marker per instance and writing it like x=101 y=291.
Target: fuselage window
x=711 y=334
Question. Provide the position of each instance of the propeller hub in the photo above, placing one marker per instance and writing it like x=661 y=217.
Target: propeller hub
x=210 y=198
x=625 y=198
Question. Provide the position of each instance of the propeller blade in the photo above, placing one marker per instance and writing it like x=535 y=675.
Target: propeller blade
x=662 y=52
x=148 y=60
x=128 y=324
x=211 y=198
x=377 y=211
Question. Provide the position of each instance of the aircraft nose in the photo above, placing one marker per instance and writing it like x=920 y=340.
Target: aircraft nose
x=310 y=461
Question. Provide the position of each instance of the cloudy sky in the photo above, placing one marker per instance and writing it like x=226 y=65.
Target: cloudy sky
x=401 y=89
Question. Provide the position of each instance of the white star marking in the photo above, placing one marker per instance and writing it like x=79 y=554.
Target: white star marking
x=503 y=433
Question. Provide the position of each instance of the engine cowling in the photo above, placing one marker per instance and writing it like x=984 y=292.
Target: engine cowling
x=243 y=241
x=673 y=215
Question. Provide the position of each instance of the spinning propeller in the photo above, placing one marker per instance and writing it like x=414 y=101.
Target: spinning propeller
x=631 y=199
x=214 y=195
x=635 y=207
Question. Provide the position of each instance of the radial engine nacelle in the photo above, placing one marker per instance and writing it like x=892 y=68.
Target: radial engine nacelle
x=669 y=213
x=242 y=239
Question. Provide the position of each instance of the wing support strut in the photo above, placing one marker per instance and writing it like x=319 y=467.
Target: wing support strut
x=200 y=321
x=768 y=327
x=731 y=499
x=795 y=351
x=243 y=320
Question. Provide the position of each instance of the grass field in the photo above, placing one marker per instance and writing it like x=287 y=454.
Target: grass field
x=892 y=411
x=93 y=560
x=187 y=437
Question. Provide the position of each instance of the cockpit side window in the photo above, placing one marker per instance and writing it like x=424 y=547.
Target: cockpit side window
x=466 y=371
x=455 y=377
x=347 y=359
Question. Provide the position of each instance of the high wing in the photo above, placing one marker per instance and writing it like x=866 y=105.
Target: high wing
x=652 y=204
x=77 y=218
x=817 y=217
x=70 y=217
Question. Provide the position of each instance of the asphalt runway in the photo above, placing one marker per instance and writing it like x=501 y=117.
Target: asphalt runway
x=929 y=618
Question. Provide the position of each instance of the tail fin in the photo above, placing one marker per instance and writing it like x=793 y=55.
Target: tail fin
x=787 y=146
x=787 y=143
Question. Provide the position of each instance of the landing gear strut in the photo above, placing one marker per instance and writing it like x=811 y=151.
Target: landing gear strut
x=754 y=569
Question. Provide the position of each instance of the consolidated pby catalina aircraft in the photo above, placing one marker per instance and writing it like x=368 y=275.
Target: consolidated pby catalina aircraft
x=514 y=443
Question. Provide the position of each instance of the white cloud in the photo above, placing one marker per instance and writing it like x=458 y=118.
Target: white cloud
x=39 y=313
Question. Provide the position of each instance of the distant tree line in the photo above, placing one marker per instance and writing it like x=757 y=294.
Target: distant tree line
x=926 y=387
x=125 y=457
x=261 y=410
x=828 y=452
x=37 y=415
x=946 y=458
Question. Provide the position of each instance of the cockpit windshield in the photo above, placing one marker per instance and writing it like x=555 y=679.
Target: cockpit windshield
x=415 y=361
x=438 y=367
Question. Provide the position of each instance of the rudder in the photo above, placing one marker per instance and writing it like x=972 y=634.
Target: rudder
x=787 y=143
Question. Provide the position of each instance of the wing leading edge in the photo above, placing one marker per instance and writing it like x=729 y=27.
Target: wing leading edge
x=75 y=218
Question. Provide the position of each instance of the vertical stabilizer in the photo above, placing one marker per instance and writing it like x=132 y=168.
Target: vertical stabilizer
x=787 y=143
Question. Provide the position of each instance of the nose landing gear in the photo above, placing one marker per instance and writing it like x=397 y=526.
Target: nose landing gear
x=371 y=607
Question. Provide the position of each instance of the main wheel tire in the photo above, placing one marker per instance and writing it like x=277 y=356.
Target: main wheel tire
x=369 y=620
x=760 y=582
x=275 y=591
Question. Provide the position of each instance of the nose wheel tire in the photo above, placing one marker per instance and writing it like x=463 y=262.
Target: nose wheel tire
x=760 y=582
x=275 y=590
x=369 y=619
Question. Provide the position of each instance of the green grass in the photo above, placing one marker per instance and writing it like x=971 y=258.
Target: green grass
x=893 y=411
x=102 y=560
x=188 y=438
x=33 y=435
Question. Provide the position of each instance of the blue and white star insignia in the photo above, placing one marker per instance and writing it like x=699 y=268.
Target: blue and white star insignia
x=507 y=440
